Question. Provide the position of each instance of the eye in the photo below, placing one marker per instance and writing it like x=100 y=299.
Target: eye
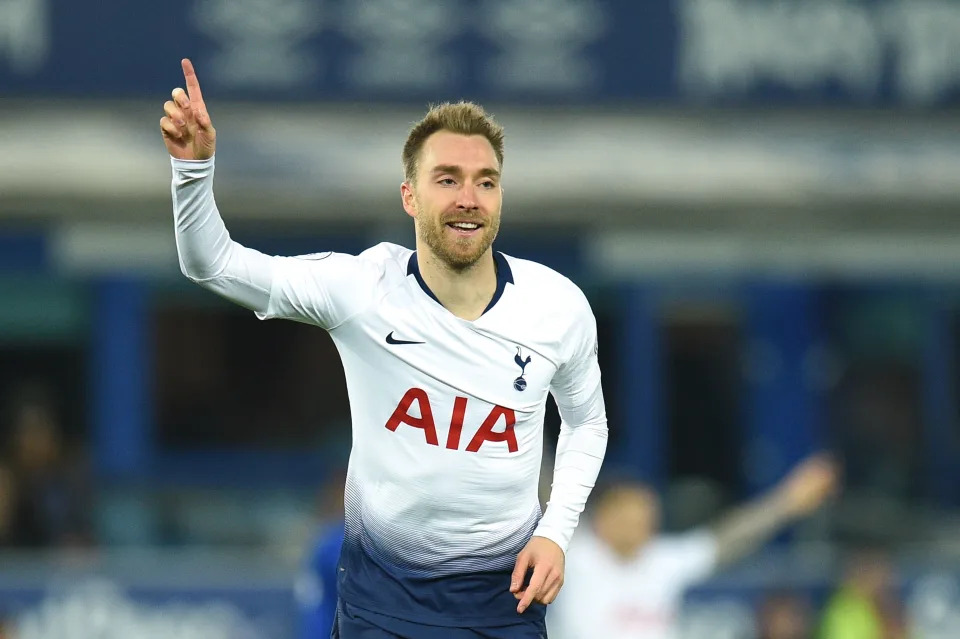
x=488 y=184
x=447 y=181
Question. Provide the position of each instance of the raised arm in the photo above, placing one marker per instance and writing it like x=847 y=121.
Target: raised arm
x=207 y=254
x=799 y=494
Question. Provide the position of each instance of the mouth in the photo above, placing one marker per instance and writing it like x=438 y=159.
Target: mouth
x=465 y=229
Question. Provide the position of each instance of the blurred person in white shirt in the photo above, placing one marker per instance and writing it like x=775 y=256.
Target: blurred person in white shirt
x=626 y=580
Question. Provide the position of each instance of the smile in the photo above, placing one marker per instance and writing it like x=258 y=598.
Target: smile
x=464 y=228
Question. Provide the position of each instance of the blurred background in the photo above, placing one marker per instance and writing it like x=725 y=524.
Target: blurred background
x=760 y=198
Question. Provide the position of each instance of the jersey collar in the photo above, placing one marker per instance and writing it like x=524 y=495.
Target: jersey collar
x=504 y=276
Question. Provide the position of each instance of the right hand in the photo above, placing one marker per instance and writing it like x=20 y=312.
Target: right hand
x=187 y=129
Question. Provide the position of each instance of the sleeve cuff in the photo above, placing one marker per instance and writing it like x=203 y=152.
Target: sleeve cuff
x=191 y=165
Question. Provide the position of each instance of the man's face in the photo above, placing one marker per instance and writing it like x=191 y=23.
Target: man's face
x=627 y=519
x=456 y=197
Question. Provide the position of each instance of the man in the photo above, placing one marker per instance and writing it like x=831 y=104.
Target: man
x=449 y=352
x=627 y=582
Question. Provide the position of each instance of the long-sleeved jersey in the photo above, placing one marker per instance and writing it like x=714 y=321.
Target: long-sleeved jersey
x=447 y=414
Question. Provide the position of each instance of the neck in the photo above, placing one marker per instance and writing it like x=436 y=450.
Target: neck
x=465 y=293
x=624 y=554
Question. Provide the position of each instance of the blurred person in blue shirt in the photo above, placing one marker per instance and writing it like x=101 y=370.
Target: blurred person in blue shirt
x=316 y=587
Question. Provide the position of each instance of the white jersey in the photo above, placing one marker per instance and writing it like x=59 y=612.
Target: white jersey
x=604 y=596
x=447 y=413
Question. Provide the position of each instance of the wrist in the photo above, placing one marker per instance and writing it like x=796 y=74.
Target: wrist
x=192 y=163
x=555 y=536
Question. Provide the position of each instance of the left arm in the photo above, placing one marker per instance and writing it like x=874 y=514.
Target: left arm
x=580 y=450
x=799 y=494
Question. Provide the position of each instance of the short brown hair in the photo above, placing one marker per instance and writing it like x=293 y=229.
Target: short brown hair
x=464 y=118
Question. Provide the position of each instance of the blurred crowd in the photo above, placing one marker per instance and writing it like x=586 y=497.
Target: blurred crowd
x=625 y=576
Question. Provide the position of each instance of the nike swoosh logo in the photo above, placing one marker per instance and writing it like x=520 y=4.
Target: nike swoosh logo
x=392 y=340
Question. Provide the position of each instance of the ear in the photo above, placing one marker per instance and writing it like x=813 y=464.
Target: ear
x=409 y=199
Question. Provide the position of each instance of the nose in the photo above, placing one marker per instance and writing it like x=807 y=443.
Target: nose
x=467 y=197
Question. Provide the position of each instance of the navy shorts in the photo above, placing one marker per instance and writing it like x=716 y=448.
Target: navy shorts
x=355 y=623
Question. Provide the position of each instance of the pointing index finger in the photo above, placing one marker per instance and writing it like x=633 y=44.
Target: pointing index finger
x=190 y=77
x=536 y=583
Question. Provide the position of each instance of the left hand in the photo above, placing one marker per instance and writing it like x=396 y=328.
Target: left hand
x=809 y=484
x=546 y=559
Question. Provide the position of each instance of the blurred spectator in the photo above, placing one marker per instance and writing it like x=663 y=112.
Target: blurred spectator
x=316 y=587
x=866 y=604
x=784 y=615
x=626 y=581
x=7 y=499
x=44 y=492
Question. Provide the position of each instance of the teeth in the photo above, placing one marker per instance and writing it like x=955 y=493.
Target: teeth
x=465 y=225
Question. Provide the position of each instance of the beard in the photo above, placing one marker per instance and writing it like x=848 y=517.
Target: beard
x=457 y=253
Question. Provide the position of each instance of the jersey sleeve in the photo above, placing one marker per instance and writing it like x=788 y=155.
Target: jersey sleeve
x=583 y=430
x=690 y=557
x=324 y=289
x=576 y=385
